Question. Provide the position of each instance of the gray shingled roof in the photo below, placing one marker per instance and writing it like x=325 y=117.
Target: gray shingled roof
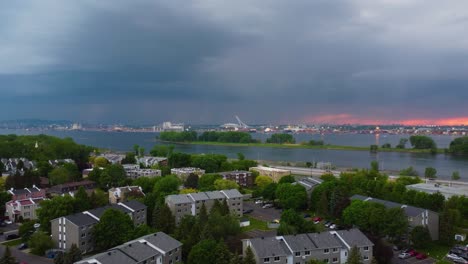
x=354 y=237
x=135 y=205
x=232 y=193
x=81 y=219
x=268 y=247
x=162 y=241
x=110 y=257
x=138 y=251
x=215 y=195
x=199 y=196
x=409 y=210
x=98 y=212
x=178 y=198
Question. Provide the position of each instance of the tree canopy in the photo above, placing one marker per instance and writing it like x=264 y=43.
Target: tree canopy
x=114 y=228
x=281 y=139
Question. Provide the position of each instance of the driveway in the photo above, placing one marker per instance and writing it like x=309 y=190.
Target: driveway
x=8 y=230
x=267 y=214
x=412 y=260
x=28 y=258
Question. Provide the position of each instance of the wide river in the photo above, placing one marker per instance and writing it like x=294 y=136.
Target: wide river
x=445 y=164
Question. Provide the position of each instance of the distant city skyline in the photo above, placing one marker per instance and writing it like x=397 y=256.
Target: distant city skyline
x=268 y=61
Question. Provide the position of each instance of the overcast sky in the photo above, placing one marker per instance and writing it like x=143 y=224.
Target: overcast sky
x=204 y=61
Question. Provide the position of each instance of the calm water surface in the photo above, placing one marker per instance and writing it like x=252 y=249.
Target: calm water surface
x=445 y=165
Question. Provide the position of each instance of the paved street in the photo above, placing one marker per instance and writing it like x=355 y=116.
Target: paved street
x=268 y=214
x=7 y=230
x=24 y=257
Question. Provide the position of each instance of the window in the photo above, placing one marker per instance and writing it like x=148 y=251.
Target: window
x=346 y=253
x=307 y=253
x=335 y=250
x=266 y=260
x=83 y=243
x=366 y=248
x=298 y=254
x=326 y=260
x=366 y=257
x=277 y=259
x=326 y=251
x=335 y=260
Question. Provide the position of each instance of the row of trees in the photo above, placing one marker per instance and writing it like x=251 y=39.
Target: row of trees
x=281 y=139
x=209 y=162
x=227 y=137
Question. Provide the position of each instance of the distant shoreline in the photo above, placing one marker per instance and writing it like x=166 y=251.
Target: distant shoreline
x=301 y=146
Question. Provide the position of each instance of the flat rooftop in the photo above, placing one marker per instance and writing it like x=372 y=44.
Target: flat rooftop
x=447 y=191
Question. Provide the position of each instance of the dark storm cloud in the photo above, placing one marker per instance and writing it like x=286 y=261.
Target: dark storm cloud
x=204 y=61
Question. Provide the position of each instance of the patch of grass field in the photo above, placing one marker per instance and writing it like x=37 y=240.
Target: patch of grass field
x=13 y=243
x=255 y=224
x=435 y=250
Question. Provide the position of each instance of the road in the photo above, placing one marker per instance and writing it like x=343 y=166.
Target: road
x=318 y=172
x=24 y=257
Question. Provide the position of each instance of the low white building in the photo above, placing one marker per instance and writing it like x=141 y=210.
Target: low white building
x=183 y=173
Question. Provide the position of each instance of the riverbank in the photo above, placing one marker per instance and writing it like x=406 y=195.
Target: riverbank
x=301 y=146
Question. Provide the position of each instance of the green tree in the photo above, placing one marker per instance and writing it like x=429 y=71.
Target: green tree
x=262 y=181
x=291 y=196
x=129 y=158
x=40 y=242
x=73 y=255
x=281 y=139
x=165 y=220
x=136 y=149
x=269 y=191
x=419 y=236
x=26 y=229
x=54 y=208
x=455 y=175
x=7 y=257
x=166 y=185
x=161 y=150
x=59 y=175
x=459 y=146
x=374 y=148
x=287 y=179
x=191 y=181
x=249 y=256
x=206 y=182
x=112 y=176
x=402 y=143
x=114 y=228
x=354 y=256
x=99 y=198
x=222 y=184
x=146 y=183
x=100 y=162
x=430 y=173
x=409 y=172
x=396 y=222
x=375 y=166
x=449 y=219
x=203 y=252
x=142 y=230
x=179 y=160
x=82 y=201
x=386 y=145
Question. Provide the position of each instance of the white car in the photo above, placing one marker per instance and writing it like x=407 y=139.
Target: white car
x=258 y=202
x=457 y=259
x=267 y=206
x=332 y=226
x=37 y=225
x=8 y=222
x=404 y=255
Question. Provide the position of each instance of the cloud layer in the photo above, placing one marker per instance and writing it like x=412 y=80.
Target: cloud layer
x=204 y=61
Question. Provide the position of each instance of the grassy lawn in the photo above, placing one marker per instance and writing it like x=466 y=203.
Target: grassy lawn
x=13 y=243
x=255 y=224
x=435 y=250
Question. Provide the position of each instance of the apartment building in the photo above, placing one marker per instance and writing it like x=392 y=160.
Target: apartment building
x=120 y=194
x=184 y=204
x=157 y=248
x=149 y=161
x=329 y=247
x=416 y=216
x=77 y=228
x=24 y=203
x=243 y=178
x=274 y=173
x=309 y=183
x=134 y=172
x=183 y=173
x=71 y=187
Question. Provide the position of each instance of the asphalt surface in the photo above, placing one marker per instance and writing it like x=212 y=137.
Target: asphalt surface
x=411 y=260
x=7 y=230
x=267 y=214
x=25 y=257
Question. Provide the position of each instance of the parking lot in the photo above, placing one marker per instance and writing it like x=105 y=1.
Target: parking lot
x=411 y=260
x=264 y=214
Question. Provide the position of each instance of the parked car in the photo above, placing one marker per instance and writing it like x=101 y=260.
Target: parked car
x=397 y=248
x=332 y=226
x=407 y=250
x=258 y=202
x=328 y=223
x=247 y=211
x=267 y=206
x=8 y=222
x=37 y=225
x=276 y=221
x=23 y=246
x=317 y=219
x=2 y=224
x=404 y=255
x=457 y=259
x=12 y=236
x=413 y=253
x=421 y=256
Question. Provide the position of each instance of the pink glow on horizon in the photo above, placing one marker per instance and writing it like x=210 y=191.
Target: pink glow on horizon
x=344 y=118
